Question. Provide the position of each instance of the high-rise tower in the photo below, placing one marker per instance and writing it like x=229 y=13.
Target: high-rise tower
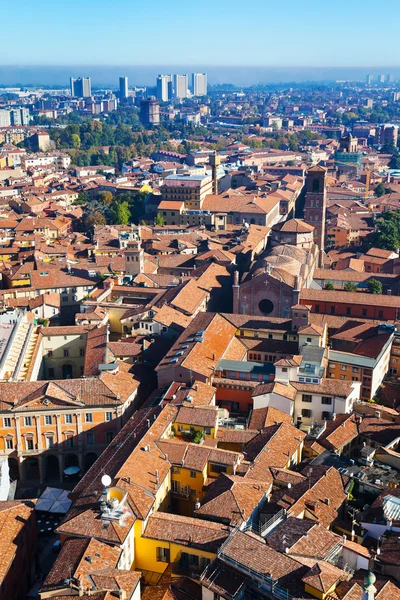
x=123 y=88
x=315 y=205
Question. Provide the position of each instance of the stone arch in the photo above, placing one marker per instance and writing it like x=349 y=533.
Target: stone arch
x=32 y=467
x=13 y=467
x=52 y=467
x=90 y=459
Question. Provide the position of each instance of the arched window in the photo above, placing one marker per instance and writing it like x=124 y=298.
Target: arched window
x=315 y=185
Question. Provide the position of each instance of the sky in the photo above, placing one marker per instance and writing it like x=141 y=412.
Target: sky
x=263 y=33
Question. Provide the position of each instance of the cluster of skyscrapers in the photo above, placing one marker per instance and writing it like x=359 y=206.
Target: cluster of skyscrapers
x=177 y=86
x=382 y=78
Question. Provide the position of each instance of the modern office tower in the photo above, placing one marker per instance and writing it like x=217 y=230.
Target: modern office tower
x=149 y=111
x=164 y=88
x=5 y=118
x=381 y=78
x=180 y=86
x=81 y=87
x=368 y=79
x=19 y=116
x=390 y=78
x=199 y=84
x=123 y=88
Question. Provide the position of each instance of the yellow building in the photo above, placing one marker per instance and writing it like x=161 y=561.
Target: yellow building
x=192 y=420
x=189 y=545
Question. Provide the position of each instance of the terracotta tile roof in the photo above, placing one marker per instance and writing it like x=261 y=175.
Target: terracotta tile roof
x=273 y=447
x=235 y=436
x=79 y=557
x=232 y=499
x=198 y=416
x=189 y=298
x=332 y=387
x=264 y=417
x=170 y=317
x=186 y=531
x=309 y=496
x=303 y=537
x=95 y=351
x=323 y=576
x=202 y=356
x=287 y=391
x=339 y=432
x=252 y=552
x=13 y=518
x=357 y=298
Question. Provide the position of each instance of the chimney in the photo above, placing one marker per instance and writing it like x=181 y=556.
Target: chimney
x=327 y=501
x=122 y=594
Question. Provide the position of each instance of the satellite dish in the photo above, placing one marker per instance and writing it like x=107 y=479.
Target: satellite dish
x=106 y=480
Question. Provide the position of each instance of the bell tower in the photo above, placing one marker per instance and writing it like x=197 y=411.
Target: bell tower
x=315 y=205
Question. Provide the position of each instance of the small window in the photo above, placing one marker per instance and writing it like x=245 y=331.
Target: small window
x=284 y=369
x=109 y=416
x=82 y=352
x=306 y=397
x=66 y=352
x=49 y=441
x=90 y=437
x=89 y=418
x=50 y=353
x=69 y=441
x=29 y=443
x=9 y=444
x=48 y=420
x=28 y=421
x=326 y=400
x=193 y=474
x=7 y=421
x=50 y=372
x=162 y=554
x=305 y=412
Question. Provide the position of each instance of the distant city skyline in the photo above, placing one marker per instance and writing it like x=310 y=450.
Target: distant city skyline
x=145 y=75
x=225 y=33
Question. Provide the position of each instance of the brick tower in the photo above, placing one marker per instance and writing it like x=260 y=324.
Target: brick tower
x=315 y=205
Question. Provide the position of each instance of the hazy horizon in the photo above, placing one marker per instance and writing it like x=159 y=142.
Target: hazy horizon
x=48 y=75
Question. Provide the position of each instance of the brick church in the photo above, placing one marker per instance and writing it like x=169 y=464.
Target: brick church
x=274 y=282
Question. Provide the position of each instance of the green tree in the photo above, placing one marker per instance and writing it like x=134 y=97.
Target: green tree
x=329 y=285
x=94 y=218
x=105 y=198
x=379 y=190
x=83 y=198
x=75 y=140
x=120 y=212
x=394 y=162
x=387 y=231
x=350 y=287
x=159 y=221
x=375 y=286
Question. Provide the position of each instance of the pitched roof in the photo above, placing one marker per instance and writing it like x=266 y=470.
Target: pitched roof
x=232 y=499
x=186 y=531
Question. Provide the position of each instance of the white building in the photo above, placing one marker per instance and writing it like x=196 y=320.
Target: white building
x=199 y=84
x=181 y=86
x=164 y=87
